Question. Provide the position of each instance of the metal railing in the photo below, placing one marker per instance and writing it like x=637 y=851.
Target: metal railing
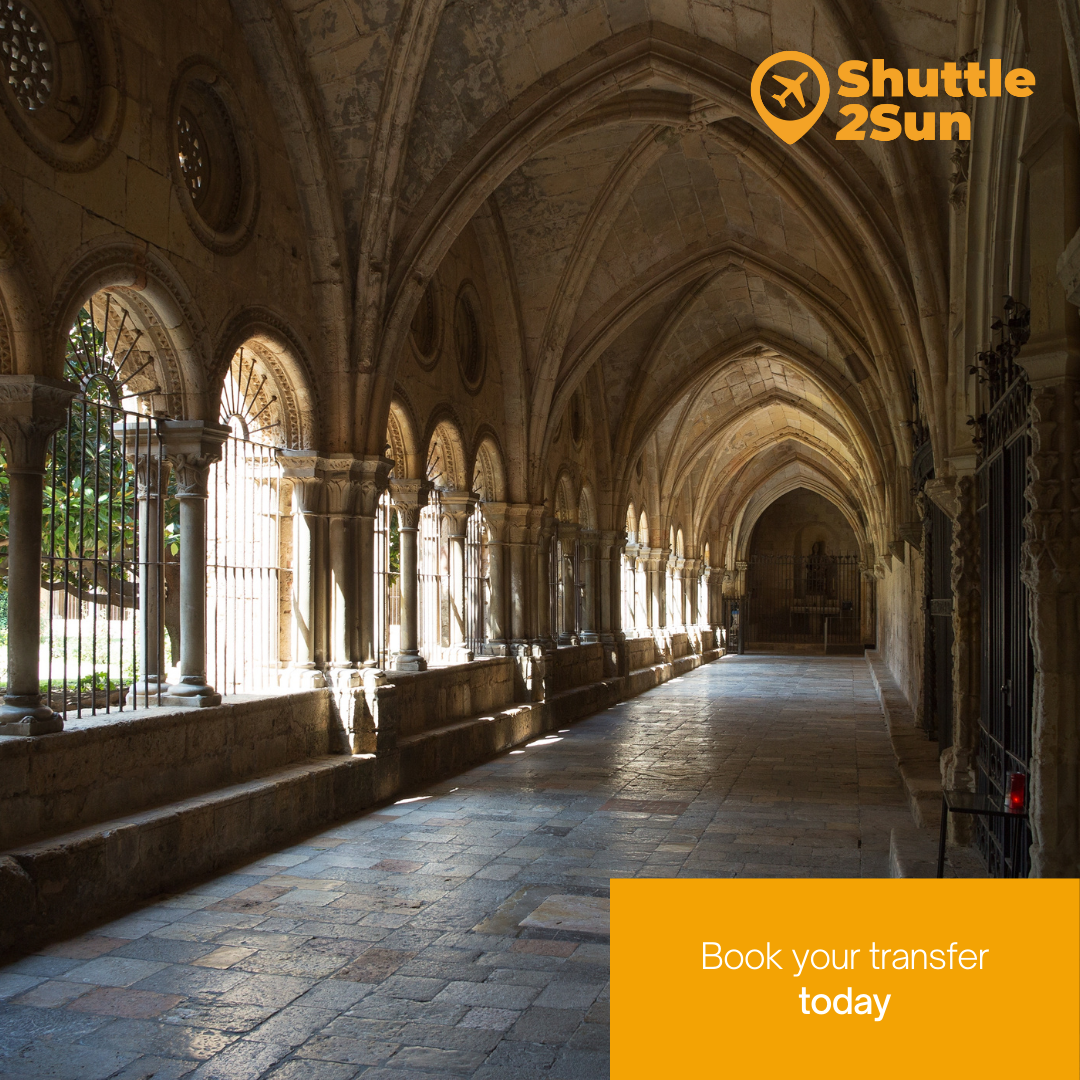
x=243 y=544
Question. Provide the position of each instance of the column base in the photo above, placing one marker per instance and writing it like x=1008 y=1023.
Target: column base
x=21 y=716
x=303 y=678
x=409 y=662
x=191 y=695
x=145 y=693
x=459 y=654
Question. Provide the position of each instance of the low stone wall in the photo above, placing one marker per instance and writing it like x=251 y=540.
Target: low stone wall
x=576 y=665
x=641 y=652
x=431 y=699
x=96 y=769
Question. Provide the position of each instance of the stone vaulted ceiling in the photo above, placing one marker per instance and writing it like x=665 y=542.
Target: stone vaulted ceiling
x=747 y=308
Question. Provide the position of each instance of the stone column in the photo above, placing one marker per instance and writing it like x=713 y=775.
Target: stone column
x=609 y=585
x=521 y=559
x=410 y=497
x=866 y=593
x=545 y=632
x=31 y=409
x=371 y=480
x=192 y=446
x=691 y=574
x=956 y=497
x=1051 y=570
x=568 y=538
x=143 y=450
x=457 y=507
x=308 y=639
x=496 y=521
x=660 y=587
x=340 y=498
x=586 y=587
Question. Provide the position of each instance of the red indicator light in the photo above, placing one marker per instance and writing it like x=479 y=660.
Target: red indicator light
x=1014 y=799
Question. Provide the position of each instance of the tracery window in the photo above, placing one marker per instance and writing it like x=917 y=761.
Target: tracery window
x=28 y=62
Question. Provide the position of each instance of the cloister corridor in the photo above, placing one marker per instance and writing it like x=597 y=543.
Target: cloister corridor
x=462 y=931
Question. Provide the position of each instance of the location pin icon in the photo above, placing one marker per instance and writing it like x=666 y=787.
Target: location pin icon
x=791 y=131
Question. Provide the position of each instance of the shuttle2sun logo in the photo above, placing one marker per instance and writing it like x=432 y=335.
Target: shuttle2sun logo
x=787 y=104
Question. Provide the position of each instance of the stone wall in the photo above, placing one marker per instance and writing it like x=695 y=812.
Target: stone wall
x=95 y=770
x=439 y=696
x=899 y=624
x=574 y=666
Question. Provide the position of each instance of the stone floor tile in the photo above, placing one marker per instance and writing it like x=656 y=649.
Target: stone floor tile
x=291 y=1026
x=115 y=971
x=121 y=1001
x=13 y=984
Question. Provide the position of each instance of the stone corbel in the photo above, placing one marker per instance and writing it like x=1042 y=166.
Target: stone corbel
x=896 y=549
x=1068 y=270
x=943 y=494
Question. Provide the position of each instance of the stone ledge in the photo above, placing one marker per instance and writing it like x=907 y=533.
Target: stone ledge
x=913 y=854
x=96 y=770
x=916 y=756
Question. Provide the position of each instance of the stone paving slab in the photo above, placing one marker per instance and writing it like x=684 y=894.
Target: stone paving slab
x=415 y=942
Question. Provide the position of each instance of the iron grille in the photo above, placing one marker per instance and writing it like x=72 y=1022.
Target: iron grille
x=387 y=582
x=102 y=570
x=430 y=562
x=476 y=581
x=802 y=600
x=243 y=530
x=1007 y=661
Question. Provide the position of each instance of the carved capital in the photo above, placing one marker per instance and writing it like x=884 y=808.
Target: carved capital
x=301 y=467
x=409 y=498
x=497 y=520
x=457 y=508
x=31 y=409
x=372 y=476
x=191 y=447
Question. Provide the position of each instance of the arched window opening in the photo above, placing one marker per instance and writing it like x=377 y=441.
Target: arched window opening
x=565 y=572
x=477 y=580
x=629 y=574
x=703 y=589
x=102 y=524
x=643 y=616
x=670 y=581
x=431 y=573
x=245 y=536
x=387 y=591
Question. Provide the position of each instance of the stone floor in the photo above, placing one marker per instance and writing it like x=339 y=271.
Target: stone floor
x=462 y=932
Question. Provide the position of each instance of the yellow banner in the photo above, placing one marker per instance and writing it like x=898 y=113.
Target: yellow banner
x=844 y=978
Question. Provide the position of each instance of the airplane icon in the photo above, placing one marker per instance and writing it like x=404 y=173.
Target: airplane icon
x=791 y=85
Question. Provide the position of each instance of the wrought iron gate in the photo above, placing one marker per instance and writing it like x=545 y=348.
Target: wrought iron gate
x=938 y=626
x=802 y=600
x=1007 y=661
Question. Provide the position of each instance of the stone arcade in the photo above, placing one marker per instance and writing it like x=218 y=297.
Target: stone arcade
x=391 y=393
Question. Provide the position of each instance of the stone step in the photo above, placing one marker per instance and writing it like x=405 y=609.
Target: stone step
x=916 y=755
